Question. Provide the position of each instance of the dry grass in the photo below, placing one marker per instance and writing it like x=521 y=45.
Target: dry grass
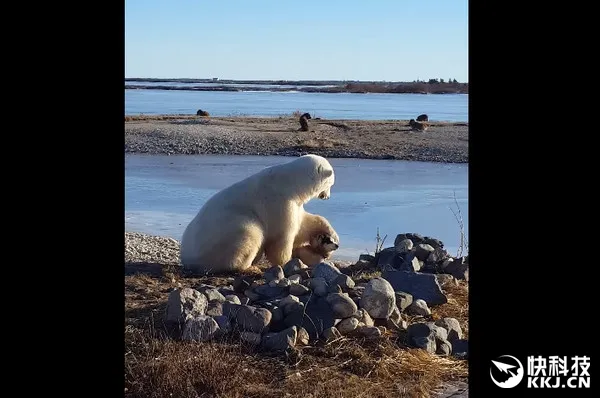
x=157 y=365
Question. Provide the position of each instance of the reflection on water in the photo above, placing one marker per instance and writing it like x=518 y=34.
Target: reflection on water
x=163 y=193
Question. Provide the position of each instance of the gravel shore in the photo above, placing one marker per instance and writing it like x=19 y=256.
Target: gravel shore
x=385 y=139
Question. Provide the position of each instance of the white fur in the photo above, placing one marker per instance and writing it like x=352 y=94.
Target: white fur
x=264 y=212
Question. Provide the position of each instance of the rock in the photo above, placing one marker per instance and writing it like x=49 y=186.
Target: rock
x=224 y=324
x=242 y=283
x=422 y=335
x=445 y=263
x=452 y=326
x=367 y=258
x=305 y=274
x=379 y=298
x=302 y=337
x=316 y=316
x=437 y=255
x=298 y=290
x=388 y=258
x=211 y=293
x=403 y=300
x=327 y=271
x=270 y=291
x=435 y=243
x=289 y=299
x=295 y=279
x=248 y=318
x=345 y=282
x=251 y=338
x=369 y=331
x=200 y=328
x=363 y=317
x=438 y=331
x=232 y=298
x=419 y=285
x=280 y=341
x=251 y=295
x=293 y=267
x=331 y=333
x=347 y=325
x=458 y=269
x=319 y=286
x=185 y=303
x=400 y=325
x=419 y=307
x=404 y=246
x=416 y=238
x=446 y=279
x=293 y=307
x=214 y=308
x=443 y=347
x=244 y=301
x=395 y=315
x=226 y=291
x=274 y=273
x=460 y=348
x=341 y=304
x=277 y=314
x=423 y=250
x=408 y=262
x=285 y=282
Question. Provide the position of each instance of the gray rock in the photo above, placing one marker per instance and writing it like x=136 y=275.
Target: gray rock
x=200 y=328
x=241 y=283
x=437 y=255
x=295 y=279
x=345 y=282
x=248 y=318
x=452 y=326
x=232 y=298
x=422 y=335
x=403 y=300
x=419 y=285
x=460 y=348
x=423 y=250
x=305 y=274
x=409 y=262
x=419 y=307
x=341 y=304
x=224 y=324
x=285 y=282
x=251 y=338
x=280 y=341
x=273 y=274
x=379 y=298
x=302 y=338
x=404 y=246
x=416 y=238
x=185 y=303
x=443 y=347
x=327 y=271
x=388 y=258
x=367 y=258
x=369 y=331
x=446 y=280
x=438 y=331
x=298 y=290
x=270 y=291
x=395 y=315
x=251 y=295
x=226 y=290
x=316 y=316
x=331 y=333
x=319 y=286
x=445 y=263
x=400 y=325
x=214 y=308
x=211 y=293
x=334 y=289
x=293 y=267
x=244 y=301
x=435 y=243
x=363 y=317
x=458 y=269
x=277 y=314
x=347 y=325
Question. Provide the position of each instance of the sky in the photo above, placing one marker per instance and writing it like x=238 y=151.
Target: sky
x=379 y=40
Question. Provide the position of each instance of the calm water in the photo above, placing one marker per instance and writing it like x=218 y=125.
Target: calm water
x=163 y=193
x=439 y=107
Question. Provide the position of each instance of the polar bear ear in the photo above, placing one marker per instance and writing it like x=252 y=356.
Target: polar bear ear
x=324 y=173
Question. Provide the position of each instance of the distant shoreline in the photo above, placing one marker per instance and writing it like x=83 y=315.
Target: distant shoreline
x=431 y=87
x=443 y=142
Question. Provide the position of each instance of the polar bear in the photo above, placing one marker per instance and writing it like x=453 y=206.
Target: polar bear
x=317 y=250
x=262 y=213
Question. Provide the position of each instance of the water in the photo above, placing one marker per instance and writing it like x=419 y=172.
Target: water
x=163 y=194
x=373 y=106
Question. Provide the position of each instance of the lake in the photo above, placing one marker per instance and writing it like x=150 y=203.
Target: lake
x=163 y=193
x=372 y=106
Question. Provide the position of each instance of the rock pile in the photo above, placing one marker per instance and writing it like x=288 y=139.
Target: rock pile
x=297 y=305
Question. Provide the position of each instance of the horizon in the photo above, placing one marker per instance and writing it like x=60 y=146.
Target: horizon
x=271 y=41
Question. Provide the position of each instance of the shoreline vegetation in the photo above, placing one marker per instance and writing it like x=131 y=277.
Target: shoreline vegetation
x=445 y=142
x=432 y=86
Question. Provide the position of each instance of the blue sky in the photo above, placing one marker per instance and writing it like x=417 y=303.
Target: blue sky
x=394 y=40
